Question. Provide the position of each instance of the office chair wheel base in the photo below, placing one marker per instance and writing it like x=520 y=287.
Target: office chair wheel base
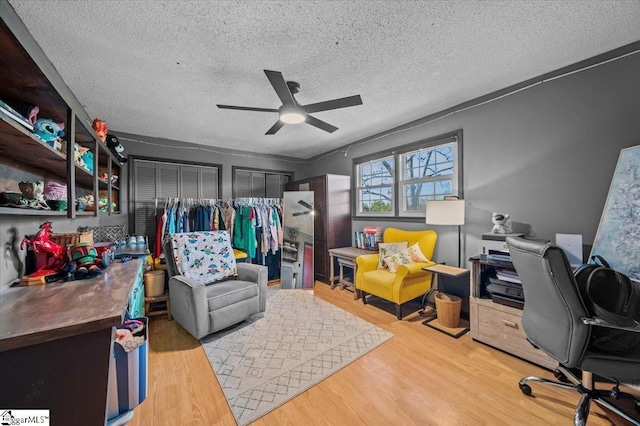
x=560 y=376
x=580 y=418
x=615 y=393
x=526 y=389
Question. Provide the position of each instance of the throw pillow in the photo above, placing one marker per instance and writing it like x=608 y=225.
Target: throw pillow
x=387 y=249
x=204 y=257
x=411 y=255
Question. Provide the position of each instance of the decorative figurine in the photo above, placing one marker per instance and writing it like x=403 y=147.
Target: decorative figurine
x=41 y=244
x=501 y=223
x=101 y=129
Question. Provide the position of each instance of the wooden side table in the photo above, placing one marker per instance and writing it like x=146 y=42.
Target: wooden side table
x=444 y=270
x=149 y=311
x=448 y=271
x=346 y=257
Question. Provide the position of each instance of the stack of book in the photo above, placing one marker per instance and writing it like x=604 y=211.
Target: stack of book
x=368 y=238
x=14 y=115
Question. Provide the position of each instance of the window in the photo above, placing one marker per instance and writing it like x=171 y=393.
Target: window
x=399 y=184
x=375 y=187
x=427 y=174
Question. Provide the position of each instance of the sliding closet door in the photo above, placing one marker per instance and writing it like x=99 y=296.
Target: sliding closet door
x=145 y=190
x=257 y=183
x=155 y=181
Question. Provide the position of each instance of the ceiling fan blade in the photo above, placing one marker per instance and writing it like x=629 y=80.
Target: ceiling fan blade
x=275 y=128
x=323 y=125
x=334 y=104
x=280 y=86
x=247 y=108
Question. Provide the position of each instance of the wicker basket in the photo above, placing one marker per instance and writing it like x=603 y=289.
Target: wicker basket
x=108 y=233
x=72 y=238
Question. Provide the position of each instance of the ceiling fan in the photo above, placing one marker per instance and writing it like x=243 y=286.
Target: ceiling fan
x=291 y=112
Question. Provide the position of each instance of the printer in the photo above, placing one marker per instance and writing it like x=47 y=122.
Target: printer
x=497 y=242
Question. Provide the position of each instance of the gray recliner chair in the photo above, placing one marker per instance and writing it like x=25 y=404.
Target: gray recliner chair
x=556 y=320
x=204 y=308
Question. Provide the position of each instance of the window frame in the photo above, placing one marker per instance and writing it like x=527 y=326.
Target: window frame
x=398 y=211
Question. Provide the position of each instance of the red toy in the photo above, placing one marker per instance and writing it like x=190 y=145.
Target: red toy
x=101 y=129
x=41 y=244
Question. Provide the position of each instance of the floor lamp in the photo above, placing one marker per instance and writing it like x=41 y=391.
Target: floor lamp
x=449 y=211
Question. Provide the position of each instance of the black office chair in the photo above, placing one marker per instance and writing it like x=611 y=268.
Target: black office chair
x=556 y=321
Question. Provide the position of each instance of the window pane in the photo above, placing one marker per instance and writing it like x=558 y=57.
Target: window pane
x=376 y=200
x=444 y=187
x=416 y=194
x=379 y=172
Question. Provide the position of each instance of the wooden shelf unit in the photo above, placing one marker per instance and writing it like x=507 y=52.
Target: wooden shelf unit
x=30 y=79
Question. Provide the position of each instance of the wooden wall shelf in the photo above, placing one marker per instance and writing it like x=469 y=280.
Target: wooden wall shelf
x=30 y=79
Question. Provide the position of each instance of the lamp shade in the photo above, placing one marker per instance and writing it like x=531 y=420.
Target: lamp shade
x=445 y=212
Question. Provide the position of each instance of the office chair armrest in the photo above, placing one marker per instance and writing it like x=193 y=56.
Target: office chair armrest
x=599 y=322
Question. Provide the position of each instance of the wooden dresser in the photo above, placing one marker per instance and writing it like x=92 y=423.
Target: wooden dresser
x=56 y=343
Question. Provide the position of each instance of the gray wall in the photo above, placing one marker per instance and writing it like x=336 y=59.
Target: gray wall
x=545 y=155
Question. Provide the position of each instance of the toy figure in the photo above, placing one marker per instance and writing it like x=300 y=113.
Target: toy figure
x=45 y=128
x=87 y=160
x=40 y=243
x=78 y=155
x=116 y=147
x=85 y=261
x=501 y=224
x=101 y=129
x=33 y=194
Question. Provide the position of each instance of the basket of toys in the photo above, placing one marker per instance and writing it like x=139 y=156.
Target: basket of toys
x=72 y=238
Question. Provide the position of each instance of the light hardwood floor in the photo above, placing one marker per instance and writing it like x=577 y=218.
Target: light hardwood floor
x=419 y=377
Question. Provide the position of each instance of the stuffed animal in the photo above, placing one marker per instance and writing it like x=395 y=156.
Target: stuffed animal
x=84 y=261
x=78 y=155
x=33 y=194
x=116 y=147
x=501 y=223
x=87 y=159
x=45 y=128
x=101 y=129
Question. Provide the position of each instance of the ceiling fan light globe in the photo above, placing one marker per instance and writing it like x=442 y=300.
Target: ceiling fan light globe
x=292 y=114
x=292 y=117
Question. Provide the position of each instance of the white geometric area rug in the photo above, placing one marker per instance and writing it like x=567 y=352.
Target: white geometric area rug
x=297 y=342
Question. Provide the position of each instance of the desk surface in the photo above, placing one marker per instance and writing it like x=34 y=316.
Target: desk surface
x=350 y=252
x=42 y=313
x=451 y=271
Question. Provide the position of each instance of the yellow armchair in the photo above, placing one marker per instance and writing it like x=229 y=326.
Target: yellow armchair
x=409 y=282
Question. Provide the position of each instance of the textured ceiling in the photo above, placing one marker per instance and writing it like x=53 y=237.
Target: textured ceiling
x=158 y=68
